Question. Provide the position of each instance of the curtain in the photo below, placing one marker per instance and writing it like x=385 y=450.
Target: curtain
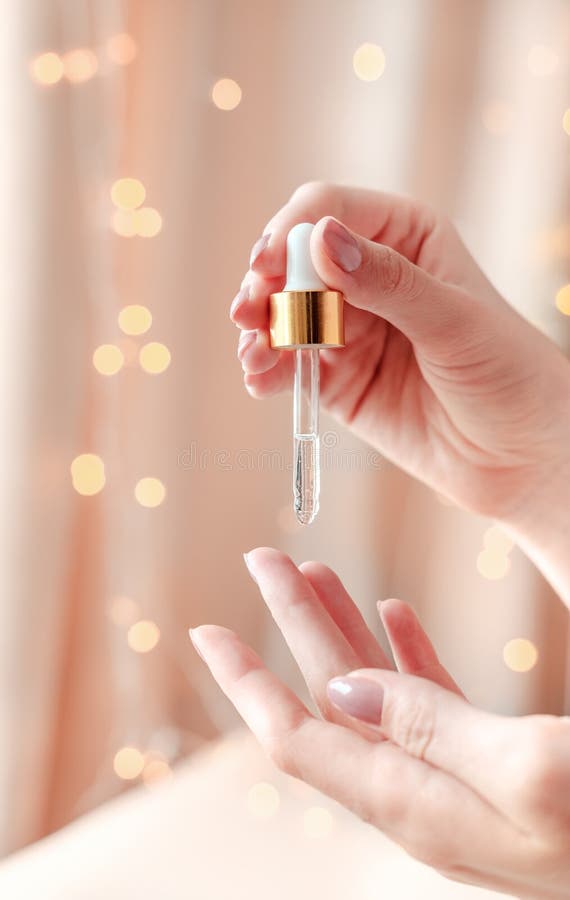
x=129 y=498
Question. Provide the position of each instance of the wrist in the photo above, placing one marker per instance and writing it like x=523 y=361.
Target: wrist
x=541 y=525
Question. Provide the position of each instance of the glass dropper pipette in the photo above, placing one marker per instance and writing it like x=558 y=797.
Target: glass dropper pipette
x=305 y=317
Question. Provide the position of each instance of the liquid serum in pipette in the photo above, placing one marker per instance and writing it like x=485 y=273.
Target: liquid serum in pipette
x=305 y=317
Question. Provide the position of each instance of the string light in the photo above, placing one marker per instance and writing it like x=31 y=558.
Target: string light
x=47 y=68
x=226 y=94
x=542 y=60
x=520 y=655
x=150 y=492
x=123 y=610
x=128 y=763
x=566 y=121
x=88 y=474
x=135 y=319
x=317 y=822
x=563 y=300
x=121 y=49
x=143 y=636
x=497 y=117
x=154 y=358
x=369 y=62
x=128 y=193
x=80 y=65
x=493 y=565
x=108 y=359
x=263 y=800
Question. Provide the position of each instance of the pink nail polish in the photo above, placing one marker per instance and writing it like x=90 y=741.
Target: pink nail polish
x=240 y=298
x=341 y=246
x=358 y=697
x=246 y=340
x=258 y=248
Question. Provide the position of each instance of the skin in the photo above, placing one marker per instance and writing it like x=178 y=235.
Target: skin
x=443 y=377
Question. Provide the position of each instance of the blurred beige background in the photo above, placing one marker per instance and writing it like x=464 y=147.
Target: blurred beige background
x=465 y=109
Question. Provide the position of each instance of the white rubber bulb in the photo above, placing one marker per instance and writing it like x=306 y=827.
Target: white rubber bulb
x=301 y=273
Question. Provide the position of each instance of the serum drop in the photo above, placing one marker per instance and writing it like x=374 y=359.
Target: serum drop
x=305 y=317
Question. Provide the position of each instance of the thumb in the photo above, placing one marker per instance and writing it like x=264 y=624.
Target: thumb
x=428 y=722
x=376 y=278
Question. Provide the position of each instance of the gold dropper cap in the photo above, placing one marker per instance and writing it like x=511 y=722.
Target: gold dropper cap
x=306 y=319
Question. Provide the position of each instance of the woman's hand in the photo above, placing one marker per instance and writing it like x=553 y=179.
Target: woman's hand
x=481 y=798
x=439 y=373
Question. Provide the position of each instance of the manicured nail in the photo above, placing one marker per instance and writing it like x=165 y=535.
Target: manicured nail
x=248 y=566
x=194 y=638
x=246 y=340
x=258 y=248
x=359 y=697
x=240 y=298
x=341 y=246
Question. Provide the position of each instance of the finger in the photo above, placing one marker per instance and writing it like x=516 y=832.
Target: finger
x=430 y=723
x=318 y=645
x=413 y=651
x=397 y=221
x=323 y=754
x=278 y=378
x=255 y=354
x=432 y=314
x=433 y=816
x=250 y=306
x=343 y=610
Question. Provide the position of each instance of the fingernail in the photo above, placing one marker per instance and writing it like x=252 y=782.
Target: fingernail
x=359 y=697
x=246 y=340
x=248 y=566
x=194 y=638
x=341 y=246
x=258 y=248
x=240 y=298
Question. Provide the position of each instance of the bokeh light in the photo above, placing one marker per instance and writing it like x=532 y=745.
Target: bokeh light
x=317 y=822
x=154 y=358
x=226 y=94
x=148 y=221
x=143 y=636
x=497 y=540
x=542 y=60
x=263 y=800
x=156 y=770
x=123 y=223
x=128 y=193
x=80 y=65
x=520 y=655
x=563 y=300
x=88 y=474
x=150 y=492
x=135 y=319
x=47 y=68
x=108 y=359
x=566 y=121
x=128 y=763
x=121 y=49
x=493 y=565
x=369 y=62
